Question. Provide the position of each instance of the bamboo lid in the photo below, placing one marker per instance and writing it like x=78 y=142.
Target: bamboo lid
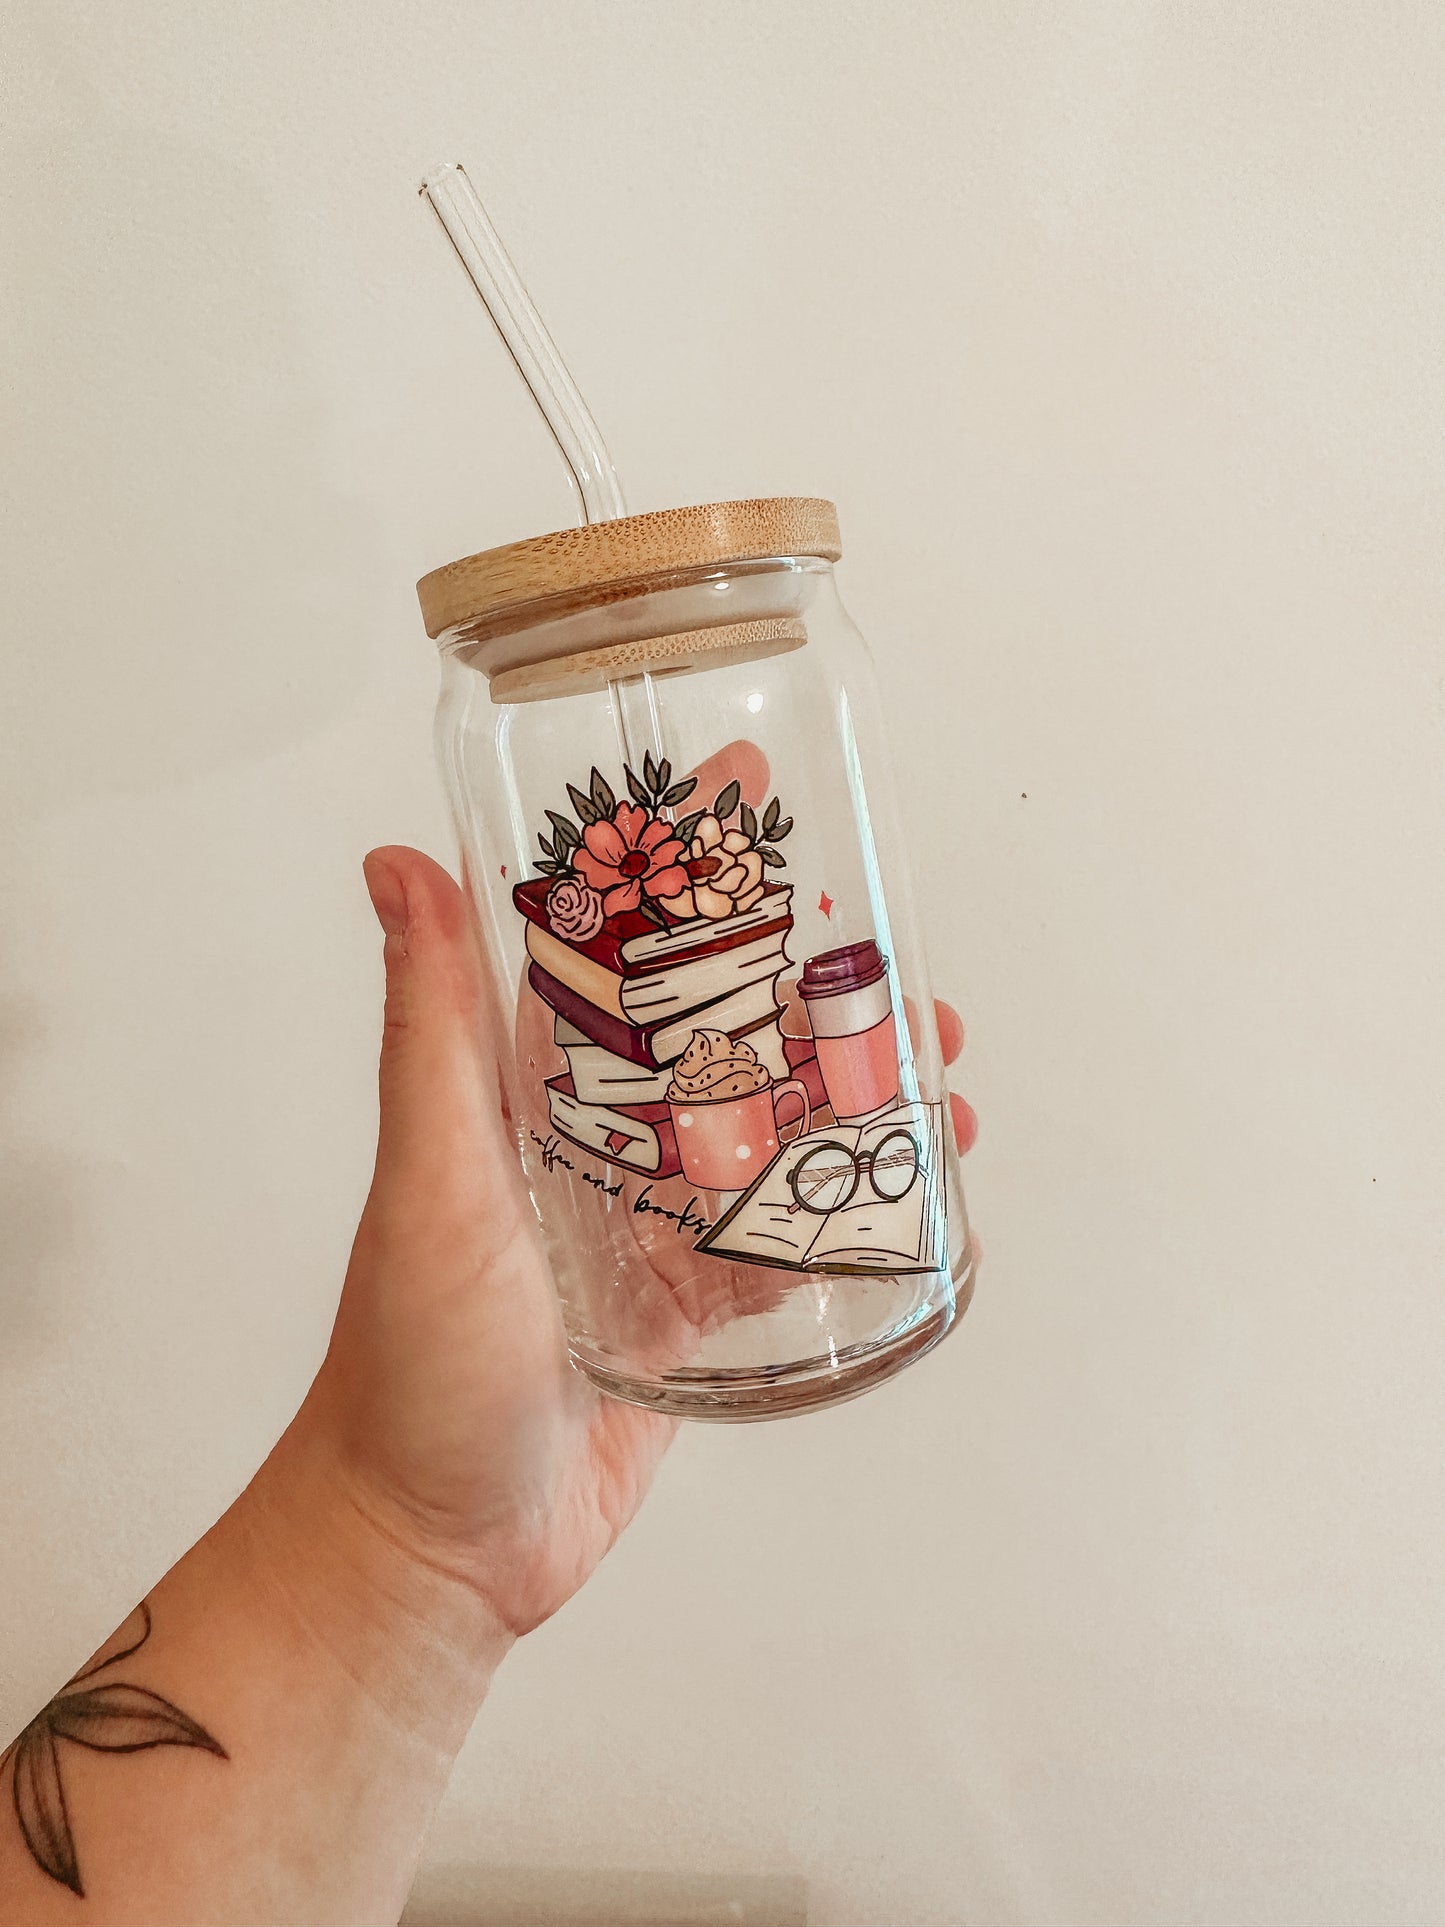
x=488 y=592
x=591 y=669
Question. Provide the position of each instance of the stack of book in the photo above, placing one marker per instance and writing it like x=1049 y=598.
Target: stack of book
x=627 y=1001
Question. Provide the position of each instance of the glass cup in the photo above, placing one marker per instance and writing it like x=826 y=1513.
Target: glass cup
x=659 y=737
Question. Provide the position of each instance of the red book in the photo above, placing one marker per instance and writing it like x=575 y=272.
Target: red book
x=637 y=1136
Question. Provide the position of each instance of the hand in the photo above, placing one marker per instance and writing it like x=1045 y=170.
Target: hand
x=446 y=1406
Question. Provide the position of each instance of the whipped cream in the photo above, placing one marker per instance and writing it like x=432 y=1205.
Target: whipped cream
x=714 y=1067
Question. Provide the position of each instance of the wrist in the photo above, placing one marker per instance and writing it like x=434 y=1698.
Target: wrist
x=419 y=1640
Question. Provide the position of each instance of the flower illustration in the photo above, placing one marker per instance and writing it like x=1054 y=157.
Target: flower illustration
x=727 y=873
x=574 y=910
x=628 y=853
x=630 y=857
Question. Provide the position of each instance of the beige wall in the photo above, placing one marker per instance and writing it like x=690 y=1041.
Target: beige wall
x=1115 y=329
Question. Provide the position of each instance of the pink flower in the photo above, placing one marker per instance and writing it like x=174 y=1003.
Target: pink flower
x=633 y=852
x=574 y=910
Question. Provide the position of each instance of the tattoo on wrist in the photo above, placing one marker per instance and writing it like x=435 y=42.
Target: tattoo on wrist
x=111 y=1716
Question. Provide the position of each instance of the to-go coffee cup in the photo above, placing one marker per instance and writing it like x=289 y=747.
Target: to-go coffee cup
x=850 y=1013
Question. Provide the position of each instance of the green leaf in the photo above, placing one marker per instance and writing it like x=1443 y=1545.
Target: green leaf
x=679 y=793
x=687 y=828
x=636 y=790
x=567 y=837
x=582 y=805
x=602 y=794
x=548 y=869
x=664 y=776
x=650 y=910
x=549 y=849
x=772 y=858
x=727 y=801
x=750 y=823
x=649 y=772
x=770 y=817
x=780 y=830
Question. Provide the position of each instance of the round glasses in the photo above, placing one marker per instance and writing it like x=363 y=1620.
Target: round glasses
x=827 y=1176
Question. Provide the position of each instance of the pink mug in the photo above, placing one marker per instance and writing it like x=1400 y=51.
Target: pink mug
x=723 y=1142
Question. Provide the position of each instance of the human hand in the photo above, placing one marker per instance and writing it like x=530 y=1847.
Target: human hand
x=446 y=1408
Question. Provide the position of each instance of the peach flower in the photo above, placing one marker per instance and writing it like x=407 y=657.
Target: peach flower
x=628 y=853
x=735 y=877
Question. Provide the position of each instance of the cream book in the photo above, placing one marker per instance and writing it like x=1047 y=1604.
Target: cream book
x=599 y=1076
x=701 y=979
x=638 y=1136
x=878 y=1225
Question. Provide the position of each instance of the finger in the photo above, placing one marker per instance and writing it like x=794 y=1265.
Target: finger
x=950 y=1029
x=793 y=1012
x=947 y=1021
x=741 y=762
x=965 y=1122
x=437 y=1083
x=539 y=1055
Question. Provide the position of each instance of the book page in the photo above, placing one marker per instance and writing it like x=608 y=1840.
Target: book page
x=871 y=1232
x=874 y=1231
x=644 y=950
x=766 y=1226
x=702 y=981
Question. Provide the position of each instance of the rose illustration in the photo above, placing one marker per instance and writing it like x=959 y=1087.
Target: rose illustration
x=628 y=853
x=574 y=910
x=733 y=878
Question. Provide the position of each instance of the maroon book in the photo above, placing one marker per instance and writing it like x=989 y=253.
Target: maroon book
x=631 y=945
x=660 y=1042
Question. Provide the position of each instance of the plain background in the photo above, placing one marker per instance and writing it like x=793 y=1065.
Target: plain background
x=1115 y=329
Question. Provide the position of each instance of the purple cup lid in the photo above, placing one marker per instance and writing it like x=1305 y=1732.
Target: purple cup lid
x=852 y=967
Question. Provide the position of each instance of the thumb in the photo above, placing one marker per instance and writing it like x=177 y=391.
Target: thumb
x=438 y=1078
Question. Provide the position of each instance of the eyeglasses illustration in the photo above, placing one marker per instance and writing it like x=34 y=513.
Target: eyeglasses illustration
x=827 y=1177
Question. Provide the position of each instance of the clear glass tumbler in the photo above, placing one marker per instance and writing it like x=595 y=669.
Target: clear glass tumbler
x=660 y=741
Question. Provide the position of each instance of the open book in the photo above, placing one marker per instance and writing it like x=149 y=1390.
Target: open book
x=881 y=1227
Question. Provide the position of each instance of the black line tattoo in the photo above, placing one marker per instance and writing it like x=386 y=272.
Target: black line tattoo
x=112 y=1717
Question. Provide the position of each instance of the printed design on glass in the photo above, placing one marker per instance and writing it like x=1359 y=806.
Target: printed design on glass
x=659 y=944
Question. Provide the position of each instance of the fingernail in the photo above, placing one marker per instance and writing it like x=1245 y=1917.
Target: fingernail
x=388 y=894
x=965 y=1122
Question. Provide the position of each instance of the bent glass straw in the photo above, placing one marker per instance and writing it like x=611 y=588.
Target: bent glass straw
x=548 y=378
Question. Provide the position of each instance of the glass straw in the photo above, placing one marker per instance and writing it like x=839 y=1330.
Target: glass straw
x=558 y=398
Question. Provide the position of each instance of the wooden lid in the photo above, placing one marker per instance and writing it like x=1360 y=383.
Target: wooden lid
x=636 y=549
x=591 y=669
